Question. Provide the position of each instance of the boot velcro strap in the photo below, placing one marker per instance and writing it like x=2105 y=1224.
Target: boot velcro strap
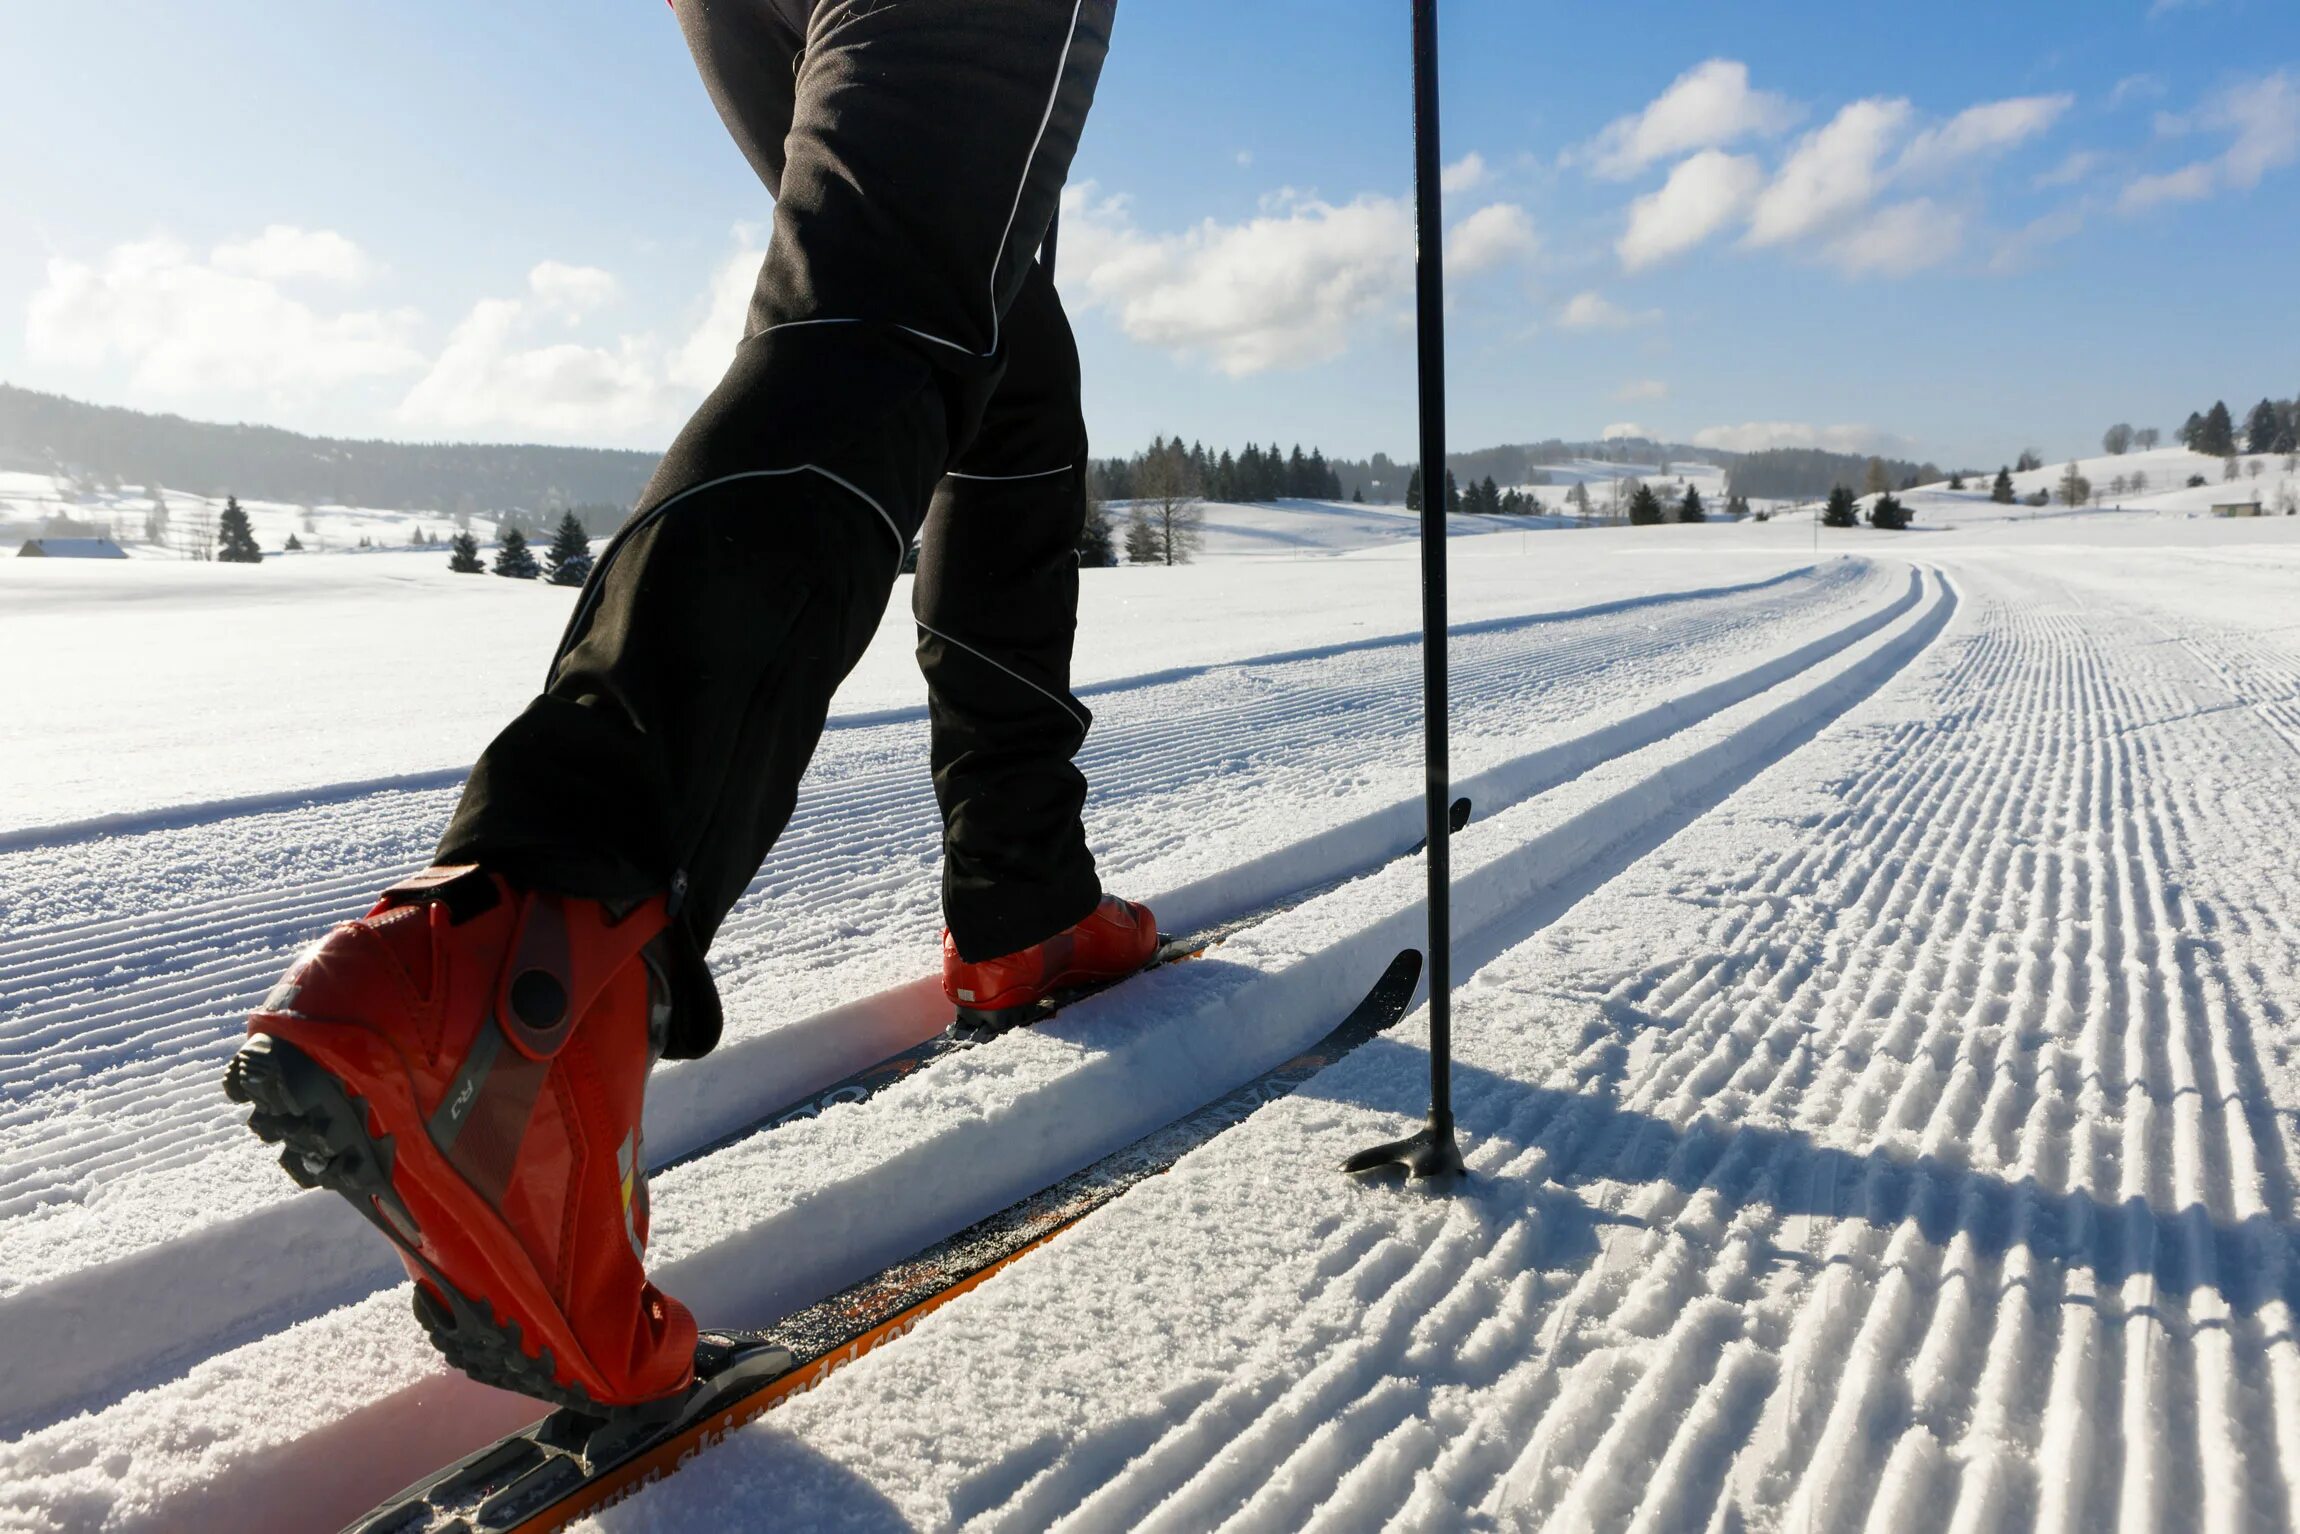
x=464 y=888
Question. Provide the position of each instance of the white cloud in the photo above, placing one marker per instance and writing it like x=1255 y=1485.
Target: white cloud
x=1757 y=436
x=2069 y=172
x=2265 y=117
x=195 y=328
x=284 y=253
x=2262 y=118
x=1638 y=390
x=1490 y=237
x=1291 y=287
x=2019 y=250
x=1707 y=107
x=1990 y=128
x=1594 y=311
x=1896 y=241
x=1833 y=173
x=2188 y=184
x=1701 y=196
x=571 y=291
x=1244 y=157
x=488 y=378
x=1462 y=174
x=699 y=362
x=2135 y=88
x=1621 y=429
x=498 y=373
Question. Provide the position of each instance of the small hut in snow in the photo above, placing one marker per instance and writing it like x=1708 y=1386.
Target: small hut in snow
x=71 y=548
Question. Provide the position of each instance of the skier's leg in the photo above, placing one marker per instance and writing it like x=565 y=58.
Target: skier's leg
x=467 y=1063
x=997 y=605
x=927 y=148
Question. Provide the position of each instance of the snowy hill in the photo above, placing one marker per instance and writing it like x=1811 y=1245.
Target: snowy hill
x=179 y=522
x=2156 y=481
x=1876 y=971
x=1292 y=529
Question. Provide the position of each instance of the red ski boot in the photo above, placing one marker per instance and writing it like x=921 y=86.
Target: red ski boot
x=466 y=1065
x=1117 y=938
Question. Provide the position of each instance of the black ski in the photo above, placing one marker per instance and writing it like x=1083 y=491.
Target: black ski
x=571 y=1463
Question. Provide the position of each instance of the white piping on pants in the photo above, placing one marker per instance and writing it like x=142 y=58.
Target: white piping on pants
x=1021 y=186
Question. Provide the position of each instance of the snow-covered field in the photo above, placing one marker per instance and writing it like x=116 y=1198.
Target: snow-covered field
x=1878 y=975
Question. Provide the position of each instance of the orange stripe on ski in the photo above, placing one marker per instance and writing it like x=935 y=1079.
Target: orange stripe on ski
x=671 y=1456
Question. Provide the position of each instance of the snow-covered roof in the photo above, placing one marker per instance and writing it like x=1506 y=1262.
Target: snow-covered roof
x=71 y=548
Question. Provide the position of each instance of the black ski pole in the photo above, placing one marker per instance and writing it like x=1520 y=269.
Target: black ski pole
x=1431 y=1152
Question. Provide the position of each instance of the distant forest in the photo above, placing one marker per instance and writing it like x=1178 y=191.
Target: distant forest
x=1809 y=474
x=104 y=447
x=107 y=447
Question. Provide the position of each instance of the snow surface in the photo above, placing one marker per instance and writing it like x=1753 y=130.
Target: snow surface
x=1877 y=979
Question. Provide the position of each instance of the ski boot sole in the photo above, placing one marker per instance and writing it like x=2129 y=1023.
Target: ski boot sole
x=322 y=1130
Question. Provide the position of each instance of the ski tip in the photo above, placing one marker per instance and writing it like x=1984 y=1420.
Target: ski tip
x=1404 y=973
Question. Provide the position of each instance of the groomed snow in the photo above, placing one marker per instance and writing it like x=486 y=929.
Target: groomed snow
x=1876 y=983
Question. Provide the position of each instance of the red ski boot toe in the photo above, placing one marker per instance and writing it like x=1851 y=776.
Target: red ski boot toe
x=466 y=1064
x=1115 y=939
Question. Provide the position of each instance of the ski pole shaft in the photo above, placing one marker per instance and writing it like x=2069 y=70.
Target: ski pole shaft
x=1429 y=329
x=1431 y=1152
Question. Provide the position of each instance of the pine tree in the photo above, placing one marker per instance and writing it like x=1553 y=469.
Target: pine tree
x=1840 y=511
x=2191 y=430
x=1452 y=494
x=1414 y=492
x=1489 y=497
x=2262 y=427
x=1889 y=514
x=1094 y=547
x=568 y=560
x=513 y=559
x=235 y=539
x=1645 y=508
x=1957 y=480
x=1358 y=494
x=2027 y=460
x=2002 y=491
x=2218 y=438
x=1142 y=540
x=463 y=555
x=294 y=545
x=1690 y=509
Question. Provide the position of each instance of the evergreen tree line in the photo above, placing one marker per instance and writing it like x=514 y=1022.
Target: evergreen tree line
x=567 y=562
x=1888 y=513
x=1483 y=498
x=1253 y=474
x=2272 y=426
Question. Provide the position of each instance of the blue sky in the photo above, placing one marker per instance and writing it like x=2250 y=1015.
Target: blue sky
x=1949 y=231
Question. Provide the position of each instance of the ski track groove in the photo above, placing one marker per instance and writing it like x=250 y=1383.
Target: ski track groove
x=112 y=1032
x=1930 y=1175
x=1928 y=1172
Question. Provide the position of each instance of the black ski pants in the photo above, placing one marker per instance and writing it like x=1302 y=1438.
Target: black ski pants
x=906 y=370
